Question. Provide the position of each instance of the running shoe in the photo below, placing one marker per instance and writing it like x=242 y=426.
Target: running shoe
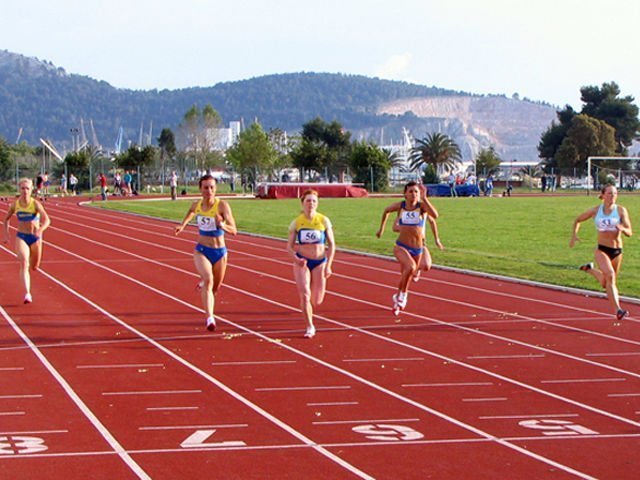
x=28 y=298
x=400 y=303
x=416 y=276
x=396 y=308
x=586 y=267
x=311 y=332
x=620 y=314
x=211 y=324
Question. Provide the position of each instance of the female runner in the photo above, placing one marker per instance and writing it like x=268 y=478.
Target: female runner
x=409 y=247
x=312 y=246
x=611 y=221
x=427 y=261
x=32 y=222
x=214 y=219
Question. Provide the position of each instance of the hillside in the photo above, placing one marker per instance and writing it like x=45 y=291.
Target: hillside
x=46 y=101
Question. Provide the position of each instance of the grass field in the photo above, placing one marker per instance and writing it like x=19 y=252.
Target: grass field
x=523 y=237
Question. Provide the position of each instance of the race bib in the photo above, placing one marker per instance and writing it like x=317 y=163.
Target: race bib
x=410 y=218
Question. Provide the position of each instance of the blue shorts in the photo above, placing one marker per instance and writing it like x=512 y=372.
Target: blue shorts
x=414 y=252
x=312 y=263
x=28 y=238
x=213 y=254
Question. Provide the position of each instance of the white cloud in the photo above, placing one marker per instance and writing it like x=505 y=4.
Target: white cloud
x=395 y=67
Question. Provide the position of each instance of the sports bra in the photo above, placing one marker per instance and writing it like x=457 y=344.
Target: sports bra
x=413 y=218
x=607 y=223
x=206 y=220
x=28 y=213
x=310 y=231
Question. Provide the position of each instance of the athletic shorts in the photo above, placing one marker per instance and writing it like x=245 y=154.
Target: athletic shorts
x=311 y=262
x=610 y=251
x=414 y=252
x=213 y=254
x=28 y=238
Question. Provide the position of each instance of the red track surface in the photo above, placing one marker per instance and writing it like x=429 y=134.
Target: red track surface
x=111 y=374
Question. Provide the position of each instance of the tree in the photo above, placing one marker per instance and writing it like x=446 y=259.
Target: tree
x=167 y=144
x=585 y=137
x=136 y=157
x=487 y=161
x=199 y=131
x=370 y=165
x=323 y=147
x=604 y=104
x=252 y=153
x=436 y=150
x=5 y=159
x=601 y=103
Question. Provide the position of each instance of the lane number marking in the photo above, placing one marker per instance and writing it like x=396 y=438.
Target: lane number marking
x=557 y=427
x=388 y=432
x=198 y=439
x=11 y=445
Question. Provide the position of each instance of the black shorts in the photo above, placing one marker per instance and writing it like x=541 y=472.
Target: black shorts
x=610 y=251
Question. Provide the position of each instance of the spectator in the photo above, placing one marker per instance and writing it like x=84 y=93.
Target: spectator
x=127 y=183
x=73 y=184
x=452 y=184
x=63 y=185
x=117 y=183
x=103 y=186
x=173 y=185
x=46 y=183
x=488 y=186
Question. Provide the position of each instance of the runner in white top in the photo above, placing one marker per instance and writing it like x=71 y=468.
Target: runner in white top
x=611 y=222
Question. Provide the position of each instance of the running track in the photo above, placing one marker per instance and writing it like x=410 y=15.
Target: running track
x=111 y=374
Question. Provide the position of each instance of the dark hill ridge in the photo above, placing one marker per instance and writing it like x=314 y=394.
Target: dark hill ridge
x=46 y=101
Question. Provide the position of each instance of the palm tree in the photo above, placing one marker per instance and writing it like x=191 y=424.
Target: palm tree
x=437 y=150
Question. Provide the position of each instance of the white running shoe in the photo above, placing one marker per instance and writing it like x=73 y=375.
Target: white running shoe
x=211 y=324
x=311 y=332
x=28 y=298
x=399 y=303
x=396 y=307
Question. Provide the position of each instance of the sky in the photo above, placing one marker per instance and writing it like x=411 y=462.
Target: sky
x=543 y=50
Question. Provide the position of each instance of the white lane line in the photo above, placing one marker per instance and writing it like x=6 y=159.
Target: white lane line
x=514 y=447
x=162 y=409
x=408 y=359
x=11 y=369
x=478 y=431
x=10 y=414
x=34 y=432
x=541 y=415
x=616 y=354
x=153 y=392
x=377 y=443
x=5 y=397
x=367 y=420
x=613 y=395
x=585 y=380
x=158 y=224
x=170 y=353
x=258 y=362
x=129 y=365
x=331 y=404
x=488 y=399
x=471 y=330
x=121 y=452
x=195 y=427
x=293 y=389
x=506 y=357
x=449 y=384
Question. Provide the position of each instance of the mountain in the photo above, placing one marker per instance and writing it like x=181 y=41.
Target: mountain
x=45 y=101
